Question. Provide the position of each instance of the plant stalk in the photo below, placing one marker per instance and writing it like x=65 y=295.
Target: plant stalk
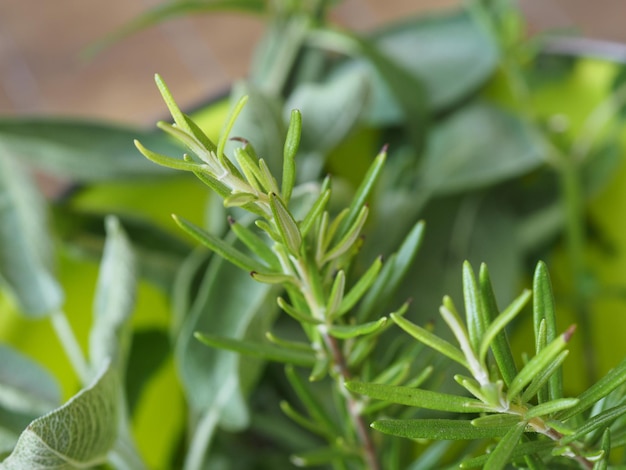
x=361 y=428
x=68 y=341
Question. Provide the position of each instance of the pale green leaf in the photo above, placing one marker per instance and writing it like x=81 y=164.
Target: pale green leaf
x=550 y=407
x=79 y=434
x=24 y=385
x=114 y=300
x=80 y=149
x=25 y=251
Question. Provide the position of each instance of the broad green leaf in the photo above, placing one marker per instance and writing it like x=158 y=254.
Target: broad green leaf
x=352 y=331
x=215 y=380
x=82 y=150
x=25 y=251
x=451 y=54
x=79 y=434
x=24 y=385
x=437 y=429
x=500 y=456
x=114 y=300
x=331 y=110
x=477 y=146
x=407 y=89
x=260 y=350
x=417 y=397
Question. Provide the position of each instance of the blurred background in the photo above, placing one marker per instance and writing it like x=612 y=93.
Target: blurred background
x=43 y=69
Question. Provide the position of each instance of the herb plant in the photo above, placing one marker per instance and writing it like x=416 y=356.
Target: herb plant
x=288 y=336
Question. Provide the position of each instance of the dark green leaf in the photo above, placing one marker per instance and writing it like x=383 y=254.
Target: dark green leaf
x=478 y=146
x=417 y=397
x=437 y=429
x=595 y=422
x=450 y=54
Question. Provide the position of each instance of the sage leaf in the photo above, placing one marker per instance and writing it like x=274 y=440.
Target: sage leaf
x=82 y=150
x=78 y=434
x=24 y=385
x=114 y=300
x=477 y=146
x=25 y=251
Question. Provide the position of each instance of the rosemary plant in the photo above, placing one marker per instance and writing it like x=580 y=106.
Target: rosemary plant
x=523 y=408
x=311 y=258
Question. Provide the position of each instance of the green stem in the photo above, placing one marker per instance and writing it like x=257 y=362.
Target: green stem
x=70 y=344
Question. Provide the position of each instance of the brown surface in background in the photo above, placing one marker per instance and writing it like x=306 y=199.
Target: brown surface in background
x=41 y=70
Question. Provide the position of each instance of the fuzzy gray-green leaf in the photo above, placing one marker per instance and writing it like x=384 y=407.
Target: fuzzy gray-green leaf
x=78 y=434
x=115 y=298
x=24 y=385
x=25 y=251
